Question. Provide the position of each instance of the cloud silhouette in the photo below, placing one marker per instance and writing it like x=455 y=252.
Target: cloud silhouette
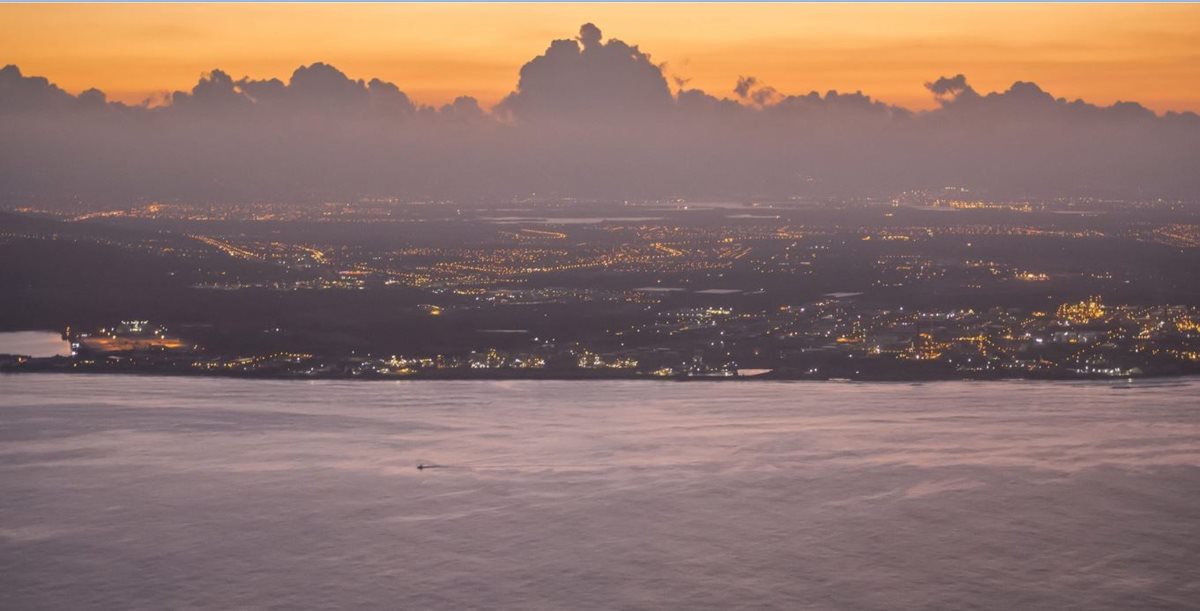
x=316 y=88
x=949 y=89
x=586 y=77
x=589 y=117
x=744 y=85
x=20 y=93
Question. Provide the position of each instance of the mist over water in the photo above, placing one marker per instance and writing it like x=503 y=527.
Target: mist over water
x=154 y=493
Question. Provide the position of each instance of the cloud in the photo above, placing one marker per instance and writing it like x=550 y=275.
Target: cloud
x=950 y=89
x=1029 y=104
x=589 y=117
x=586 y=77
x=589 y=36
x=215 y=92
x=744 y=85
x=463 y=109
x=316 y=88
x=20 y=93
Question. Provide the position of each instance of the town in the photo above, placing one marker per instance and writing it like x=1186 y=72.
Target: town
x=828 y=339
x=912 y=287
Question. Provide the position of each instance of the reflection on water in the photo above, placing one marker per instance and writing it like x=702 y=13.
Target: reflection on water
x=124 y=492
x=38 y=344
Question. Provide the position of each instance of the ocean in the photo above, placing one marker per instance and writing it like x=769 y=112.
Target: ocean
x=130 y=492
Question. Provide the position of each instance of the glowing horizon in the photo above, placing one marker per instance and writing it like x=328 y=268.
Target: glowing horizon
x=435 y=52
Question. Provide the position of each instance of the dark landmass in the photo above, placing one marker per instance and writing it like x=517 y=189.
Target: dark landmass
x=915 y=287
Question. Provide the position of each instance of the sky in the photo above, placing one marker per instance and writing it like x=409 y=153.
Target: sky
x=608 y=102
x=435 y=52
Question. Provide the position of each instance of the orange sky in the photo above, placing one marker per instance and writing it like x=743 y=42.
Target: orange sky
x=1100 y=52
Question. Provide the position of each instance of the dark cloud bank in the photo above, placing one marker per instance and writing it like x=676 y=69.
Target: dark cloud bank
x=589 y=118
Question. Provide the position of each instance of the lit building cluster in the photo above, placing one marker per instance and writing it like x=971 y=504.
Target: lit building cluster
x=942 y=283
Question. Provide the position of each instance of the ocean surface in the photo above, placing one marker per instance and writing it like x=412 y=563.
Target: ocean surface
x=171 y=493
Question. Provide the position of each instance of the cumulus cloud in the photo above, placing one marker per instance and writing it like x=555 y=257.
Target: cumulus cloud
x=465 y=107
x=948 y=89
x=589 y=36
x=316 y=88
x=591 y=117
x=35 y=93
x=589 y=77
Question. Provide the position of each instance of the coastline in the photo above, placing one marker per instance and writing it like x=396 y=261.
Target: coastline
x=460 y=375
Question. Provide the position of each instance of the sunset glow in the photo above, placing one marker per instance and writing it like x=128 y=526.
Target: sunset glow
x=545 y=305
x=1101 y=53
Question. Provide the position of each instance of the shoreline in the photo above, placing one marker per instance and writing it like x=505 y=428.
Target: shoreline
x=559 y=376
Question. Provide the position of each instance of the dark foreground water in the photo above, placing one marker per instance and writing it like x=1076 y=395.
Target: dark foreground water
x=166 y=493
